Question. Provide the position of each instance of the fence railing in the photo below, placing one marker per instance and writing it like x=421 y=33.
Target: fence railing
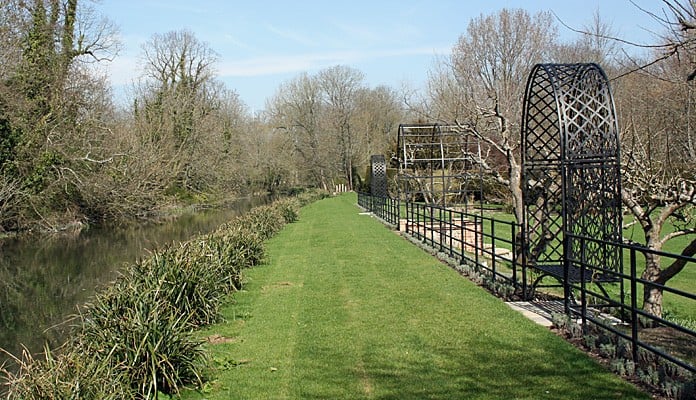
x=662 y=335
x=487 y=243
x=490 y=245
x=385 y=208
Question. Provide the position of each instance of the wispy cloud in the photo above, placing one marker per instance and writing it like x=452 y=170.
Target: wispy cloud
x=230 y=39
x=292 y=35
x=176 y=7
x=358 y=33
x=282 y=64
x=310 y=62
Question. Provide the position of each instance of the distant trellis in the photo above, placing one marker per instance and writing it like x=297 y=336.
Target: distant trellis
x=438 y=164
x=378 y=176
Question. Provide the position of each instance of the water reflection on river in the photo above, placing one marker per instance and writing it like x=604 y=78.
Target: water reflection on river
x=43 y=281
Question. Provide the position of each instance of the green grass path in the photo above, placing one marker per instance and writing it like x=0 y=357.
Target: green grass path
x=346 y=309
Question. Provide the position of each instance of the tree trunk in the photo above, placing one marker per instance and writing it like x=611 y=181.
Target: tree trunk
x=516 y=188
x=515 y=185
x=652 y=295
x=652 y=300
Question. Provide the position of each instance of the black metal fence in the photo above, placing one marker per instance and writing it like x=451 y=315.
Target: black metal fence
x=385 y=208
x=491 y=246
x=486 y=243
x=669 y=336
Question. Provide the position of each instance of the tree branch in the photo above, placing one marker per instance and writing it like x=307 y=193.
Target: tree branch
x=678 y=265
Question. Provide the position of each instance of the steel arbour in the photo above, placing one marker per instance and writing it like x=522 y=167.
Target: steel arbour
x=570 y=175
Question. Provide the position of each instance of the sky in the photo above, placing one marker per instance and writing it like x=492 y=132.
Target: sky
x=261 y=44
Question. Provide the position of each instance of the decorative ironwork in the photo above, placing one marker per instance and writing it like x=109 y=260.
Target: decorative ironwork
x=378 y=176
x=438 y=164
x=570 y=172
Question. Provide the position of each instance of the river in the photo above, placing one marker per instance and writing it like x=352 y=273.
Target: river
x=43 y=281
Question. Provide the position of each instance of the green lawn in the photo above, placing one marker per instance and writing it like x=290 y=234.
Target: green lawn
x=346 y=309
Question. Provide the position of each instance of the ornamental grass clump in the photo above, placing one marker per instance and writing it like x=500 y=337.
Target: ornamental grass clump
x=186 y=277
x=239 y=247
x=68 y=375
x=310 y=196
x=144 y=338
x=289 y=209
x=265 y=221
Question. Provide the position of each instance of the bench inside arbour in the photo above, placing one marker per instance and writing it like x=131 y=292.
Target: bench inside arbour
x=574 y=276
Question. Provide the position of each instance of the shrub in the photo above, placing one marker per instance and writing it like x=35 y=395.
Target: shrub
x=239 y=247
x=310 y=196
x=185 y=277
x=289 y=209
x=265 y=221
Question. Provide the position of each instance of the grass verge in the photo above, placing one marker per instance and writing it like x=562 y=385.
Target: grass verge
x=345 y=308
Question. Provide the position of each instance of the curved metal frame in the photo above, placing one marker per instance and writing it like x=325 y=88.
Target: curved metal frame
x=570 y=172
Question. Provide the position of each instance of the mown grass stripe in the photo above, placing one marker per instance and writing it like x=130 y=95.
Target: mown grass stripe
x=346 y=309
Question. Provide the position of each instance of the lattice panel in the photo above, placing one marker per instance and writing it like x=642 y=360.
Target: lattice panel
x=594 y=210
x=378 y=177
x=539 y=138
x=570 y=165
x=544 y=222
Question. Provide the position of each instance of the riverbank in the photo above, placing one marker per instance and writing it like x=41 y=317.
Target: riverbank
x=44 y=279
x=71 y=224
x=344 y=308
x=134 y=338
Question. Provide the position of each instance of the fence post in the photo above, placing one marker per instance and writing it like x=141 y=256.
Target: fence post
x=634 y=308
x=397 y=203
x=583 y=285
x=462 y=239
x=493 y=255
x=513 y=253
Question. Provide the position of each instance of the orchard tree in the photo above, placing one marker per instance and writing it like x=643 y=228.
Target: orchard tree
x=489 y=67
x=655 y=100
x=656 y=105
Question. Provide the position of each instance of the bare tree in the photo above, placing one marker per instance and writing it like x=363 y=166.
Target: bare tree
x=655 y=99
x=177 y=59
x=12 y=24
x=297 y=110
x=657 y=166
x=339 y=85
x=46 y=108
x=333 y=123
x=377 y=116
x=177 y=94
x=594 y=44
x=490 y=64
